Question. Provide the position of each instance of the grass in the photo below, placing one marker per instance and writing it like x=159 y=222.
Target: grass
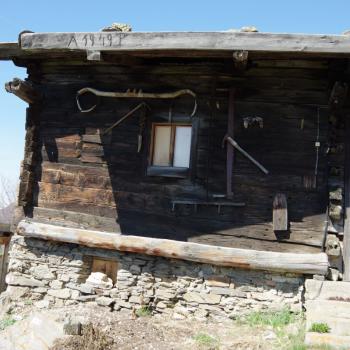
x=320 y=328
x=274 y=319
x=144 y=311
x=206 y=340
x=6 y=322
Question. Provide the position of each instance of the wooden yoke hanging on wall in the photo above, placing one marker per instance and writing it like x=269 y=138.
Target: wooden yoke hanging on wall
x=24 y=90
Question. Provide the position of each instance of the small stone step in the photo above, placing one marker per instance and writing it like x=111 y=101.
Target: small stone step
x=336 y=314
x=326 y=290
x=336 y=341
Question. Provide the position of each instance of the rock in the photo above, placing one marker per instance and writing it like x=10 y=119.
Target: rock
x=104 y=301
x=42 y=304
x=37 y=332
x=75 y=294
x=228 y=292
x=64 y=293
x=134 y=269
x=201 y=314
x=333 y=274
x=249 y=29
x=42 y=272
x=40 y=290
x=161 y=305
x=217 y=281
x=84 y=288
x=202 y=298
x=333 y=245
x=56 y=284
x=21 y=280
x=166 y=294
x=335 y=212
x=118 y=27
x=16 y=293
x=177 y=316
x=135 y=299
x=336 y=194
x=269 y=335
x=100 y=280
x=86 y=298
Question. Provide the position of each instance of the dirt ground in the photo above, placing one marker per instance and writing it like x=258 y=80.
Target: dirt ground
x=110 y=331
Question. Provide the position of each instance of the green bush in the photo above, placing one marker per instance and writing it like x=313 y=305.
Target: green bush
x=320 y=328
x=206 y=340
x=143 y=311
x=6 y=322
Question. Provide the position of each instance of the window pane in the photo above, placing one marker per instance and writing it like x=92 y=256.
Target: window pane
x=182 y=147
x=161 y=151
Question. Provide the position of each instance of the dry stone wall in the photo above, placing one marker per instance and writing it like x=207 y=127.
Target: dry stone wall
x=50 y=274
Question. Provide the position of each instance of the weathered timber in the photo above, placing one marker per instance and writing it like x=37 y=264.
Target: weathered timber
x=246 y=259
x=346 y=239
x=24 y=90
x=280 y=212
x=212 y=41
x=9 y=50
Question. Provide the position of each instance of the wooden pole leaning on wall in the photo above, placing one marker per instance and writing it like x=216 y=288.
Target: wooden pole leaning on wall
x=24 y=90
x=202 y=253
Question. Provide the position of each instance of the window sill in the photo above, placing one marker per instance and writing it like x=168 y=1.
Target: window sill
x=165 y=171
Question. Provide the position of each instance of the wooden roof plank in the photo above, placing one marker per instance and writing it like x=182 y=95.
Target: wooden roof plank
x=230 y=41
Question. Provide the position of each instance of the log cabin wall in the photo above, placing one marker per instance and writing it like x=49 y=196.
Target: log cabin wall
x=100 y=181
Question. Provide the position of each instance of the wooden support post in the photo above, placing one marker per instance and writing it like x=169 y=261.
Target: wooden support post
x=346 y=239
x=280 y=213
x=230 y=148
x=202 y=253
x=23 y=90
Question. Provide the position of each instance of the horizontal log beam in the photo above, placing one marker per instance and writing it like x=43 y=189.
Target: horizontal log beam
x=212 y=41
x=24 y=90
x=222 y=256
x=9 y=50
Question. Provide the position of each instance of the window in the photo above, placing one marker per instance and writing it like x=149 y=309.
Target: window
x=170 y=150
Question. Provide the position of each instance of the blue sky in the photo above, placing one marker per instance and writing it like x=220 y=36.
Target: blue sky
x=307 y=16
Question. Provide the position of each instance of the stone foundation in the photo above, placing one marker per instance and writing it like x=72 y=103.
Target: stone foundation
x=55 y=274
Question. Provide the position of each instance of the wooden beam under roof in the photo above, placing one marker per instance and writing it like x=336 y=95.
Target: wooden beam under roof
x=9 y=50
x=211 y=41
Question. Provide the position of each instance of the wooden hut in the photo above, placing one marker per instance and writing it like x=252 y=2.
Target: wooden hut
x=193 y=169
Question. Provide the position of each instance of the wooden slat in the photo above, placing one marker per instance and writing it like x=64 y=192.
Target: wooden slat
x=212 y=41
x=222 y=256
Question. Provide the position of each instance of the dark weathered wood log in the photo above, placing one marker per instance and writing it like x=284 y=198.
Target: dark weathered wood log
x=23 y=90
x=280 y=213
x=222 y=256
x=9 y=50
x=186 y=41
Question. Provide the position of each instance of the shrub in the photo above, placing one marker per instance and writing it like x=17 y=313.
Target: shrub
x=320 y=328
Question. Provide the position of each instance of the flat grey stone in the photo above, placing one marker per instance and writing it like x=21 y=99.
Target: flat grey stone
x=64 y=293
x=21 y=280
